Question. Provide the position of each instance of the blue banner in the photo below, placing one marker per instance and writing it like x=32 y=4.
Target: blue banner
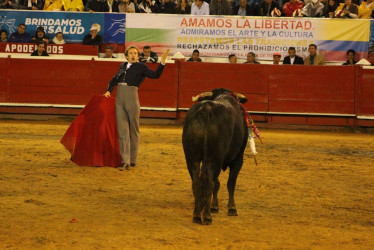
x=74 y=25
x=114 y=28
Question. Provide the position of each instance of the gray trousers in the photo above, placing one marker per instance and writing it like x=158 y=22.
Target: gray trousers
x=127 y=115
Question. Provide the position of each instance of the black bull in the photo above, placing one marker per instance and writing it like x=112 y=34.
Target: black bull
x=214 y=137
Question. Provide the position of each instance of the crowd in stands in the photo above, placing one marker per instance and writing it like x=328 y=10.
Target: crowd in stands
x=21 y=36
x=288 y=8
x=148 y=56
x=316 y=8
x=292 y=59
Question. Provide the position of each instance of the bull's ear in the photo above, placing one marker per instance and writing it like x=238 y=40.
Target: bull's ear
x=201 y=96
x=241 y=98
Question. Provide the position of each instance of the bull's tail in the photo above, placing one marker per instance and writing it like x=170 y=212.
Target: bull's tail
x=206 y=184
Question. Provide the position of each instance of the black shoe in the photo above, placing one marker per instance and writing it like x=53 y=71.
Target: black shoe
x=132 y=165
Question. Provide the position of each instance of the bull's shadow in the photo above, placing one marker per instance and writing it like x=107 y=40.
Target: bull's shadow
x=215 y=135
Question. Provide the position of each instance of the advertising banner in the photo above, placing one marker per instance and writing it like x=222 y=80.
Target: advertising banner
x=221 y=36
x=73 y=25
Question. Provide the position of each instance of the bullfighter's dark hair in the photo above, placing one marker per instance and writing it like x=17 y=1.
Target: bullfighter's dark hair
x=146 y=47
x=291 y=48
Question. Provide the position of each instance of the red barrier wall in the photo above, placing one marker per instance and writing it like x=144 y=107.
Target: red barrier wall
x=249 y=80
x=309 y=95
x=71 y=82
x=365 y=100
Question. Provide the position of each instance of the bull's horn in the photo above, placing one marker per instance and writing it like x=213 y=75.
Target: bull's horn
x=196 y=98
x=240 y=95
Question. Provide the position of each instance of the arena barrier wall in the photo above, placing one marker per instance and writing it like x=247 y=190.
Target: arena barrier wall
x=302 y=95
x=365 y=97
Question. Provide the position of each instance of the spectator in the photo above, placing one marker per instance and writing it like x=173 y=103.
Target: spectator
x=251 y=58
x=51 y=5
x=8 y=4
x=148 y=6
x=73 y=5
x=290 y=7
x=313 y=58
x=183 y=7
x=276 y=58
x=93 y=38
x=324 y=2
x=3 y=36
x=292 y=58
x=330 y=8
x=267 y=6
x=243 y=9
x=148 y=56
x=96 y=6
x=125 y=6
x=195 y=56
x=59 y=38
x=168 y=7
x=40 y=51
x=220 y=7
x=109 y=52
x=349 y=9
x=32 y=5
x=40 y=36
x=136 y=4
x=365 y=11
x=313 y=9
x=350 y=57
x=199 y=7
x=357 y=2
x=232 y=58
x=20 y=36
x=371 y=57
x=112 y=5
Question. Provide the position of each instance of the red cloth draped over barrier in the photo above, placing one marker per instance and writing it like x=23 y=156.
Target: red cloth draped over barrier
x=92 y=138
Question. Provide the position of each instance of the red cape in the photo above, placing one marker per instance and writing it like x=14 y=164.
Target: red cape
x=92 y=138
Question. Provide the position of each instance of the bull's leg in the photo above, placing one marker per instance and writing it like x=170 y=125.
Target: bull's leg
x=194 y=170
x=231 y=183
x=207 y=186
x=197 y=209
x=214 y=206
x=207 y=217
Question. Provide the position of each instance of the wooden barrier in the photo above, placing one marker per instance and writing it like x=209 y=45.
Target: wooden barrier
x=285 y=94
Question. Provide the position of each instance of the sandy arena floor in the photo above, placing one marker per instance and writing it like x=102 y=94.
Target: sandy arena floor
x=311 y=190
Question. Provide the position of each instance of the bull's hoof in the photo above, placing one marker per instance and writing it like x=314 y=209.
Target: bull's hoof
x=207 y=221
x=232 y=212
x=214 y=210
x=197 y=220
